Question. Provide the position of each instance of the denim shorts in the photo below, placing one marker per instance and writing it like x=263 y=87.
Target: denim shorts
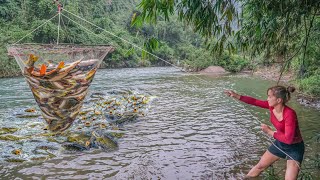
x=288 y=151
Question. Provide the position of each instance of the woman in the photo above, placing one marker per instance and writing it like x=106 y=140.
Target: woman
x=288 y=140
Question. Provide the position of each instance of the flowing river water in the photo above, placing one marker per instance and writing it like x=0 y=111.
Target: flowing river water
x=193 y=130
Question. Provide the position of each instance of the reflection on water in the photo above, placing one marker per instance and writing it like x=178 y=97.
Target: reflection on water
x=193 y=131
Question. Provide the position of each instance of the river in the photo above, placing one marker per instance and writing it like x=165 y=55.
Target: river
x=193 y=130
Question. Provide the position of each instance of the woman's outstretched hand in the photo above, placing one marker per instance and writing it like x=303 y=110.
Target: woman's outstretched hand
x=232 y=94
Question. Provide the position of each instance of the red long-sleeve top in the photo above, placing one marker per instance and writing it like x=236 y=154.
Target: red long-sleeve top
x=288 y=130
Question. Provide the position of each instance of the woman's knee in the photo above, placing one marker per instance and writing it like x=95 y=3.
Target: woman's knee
x=292 y=171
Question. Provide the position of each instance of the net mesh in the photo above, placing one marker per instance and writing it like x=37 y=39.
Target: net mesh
x=59 y=77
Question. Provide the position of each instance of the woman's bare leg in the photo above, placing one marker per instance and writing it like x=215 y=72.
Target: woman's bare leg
x=292 y=170
x=266 y=160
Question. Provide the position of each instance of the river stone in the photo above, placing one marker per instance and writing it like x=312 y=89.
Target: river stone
x=214 y=70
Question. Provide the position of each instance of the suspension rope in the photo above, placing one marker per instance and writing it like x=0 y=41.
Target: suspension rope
x=130 y=43
x=35 y=29
x=88 y=30
x=63 y=26
x=123 y=39
x=134 y=45
x=59 y=12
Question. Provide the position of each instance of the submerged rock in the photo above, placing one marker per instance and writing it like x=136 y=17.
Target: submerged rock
x=214 y=70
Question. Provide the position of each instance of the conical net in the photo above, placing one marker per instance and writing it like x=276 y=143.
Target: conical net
x=59 y=77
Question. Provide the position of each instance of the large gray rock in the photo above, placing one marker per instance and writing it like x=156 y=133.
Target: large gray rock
x=214 y=70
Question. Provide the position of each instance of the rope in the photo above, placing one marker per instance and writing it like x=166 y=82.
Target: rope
x=35 y=29
x=128 y=42
x=65 y=29
x=123 y=39
x=82 y=26
x=59 y=27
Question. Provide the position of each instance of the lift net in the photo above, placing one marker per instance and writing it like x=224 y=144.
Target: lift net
x=59 y=77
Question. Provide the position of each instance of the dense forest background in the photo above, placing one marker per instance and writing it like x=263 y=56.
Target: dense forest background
x=172 y=40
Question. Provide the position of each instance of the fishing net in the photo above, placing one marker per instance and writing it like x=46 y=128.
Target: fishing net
x=59 y=77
